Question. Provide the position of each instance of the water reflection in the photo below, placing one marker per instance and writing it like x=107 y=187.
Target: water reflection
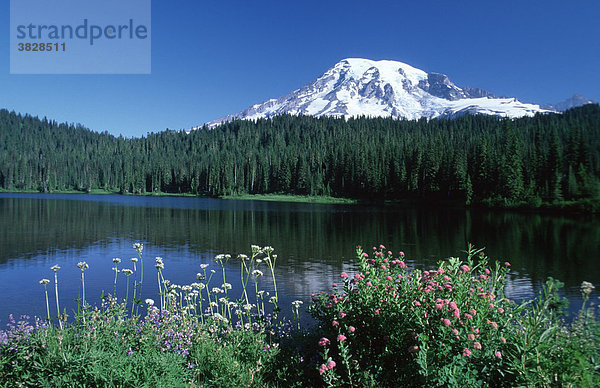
x=314 y=242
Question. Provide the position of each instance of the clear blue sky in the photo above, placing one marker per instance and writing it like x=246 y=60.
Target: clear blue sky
x=211 y=58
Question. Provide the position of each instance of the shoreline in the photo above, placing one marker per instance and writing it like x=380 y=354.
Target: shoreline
x=574 y=208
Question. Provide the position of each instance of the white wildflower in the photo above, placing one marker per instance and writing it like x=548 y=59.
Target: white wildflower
x=257 y=273
x=150 y=302
x=55 y=268
x=127 y=271
x=43 y=282
x=204 y=266
x=82 y=265
x=116 y=260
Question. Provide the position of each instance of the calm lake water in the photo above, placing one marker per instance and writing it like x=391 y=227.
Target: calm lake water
x=314 y=243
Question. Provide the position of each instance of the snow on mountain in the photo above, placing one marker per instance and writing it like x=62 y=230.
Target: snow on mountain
x=571 y=102
x=362 y=87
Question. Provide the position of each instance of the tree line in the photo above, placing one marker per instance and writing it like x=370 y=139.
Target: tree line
x=549 y=157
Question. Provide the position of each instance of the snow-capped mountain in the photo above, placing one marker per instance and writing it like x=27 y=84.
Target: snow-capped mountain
x=357 y=87
x=571 y=102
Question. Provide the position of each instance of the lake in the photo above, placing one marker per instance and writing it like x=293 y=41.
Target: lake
x=314 y=243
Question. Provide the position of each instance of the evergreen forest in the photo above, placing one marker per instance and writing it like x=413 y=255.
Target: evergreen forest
x=549 y=158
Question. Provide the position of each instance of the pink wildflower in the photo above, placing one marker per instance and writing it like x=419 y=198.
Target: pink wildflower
x=365 y=254
x=417 y=303
x=468 y=316
x=334 y=284
x=471 y=337
x=477 y=346
x=503 y=340
x=341 y=337
x=464 y=268
x=381 y=246
x=389 y=278
x=343 y=275
x=466 y=352
x=446 y=321
x=342 y=314
x=322 y=368
x=498 y=354
x=456 y=313
x=487 y=271
x=455 y=331
x=330 y=364
x=453 y=305
x=335 y=323
x=401 y=254
x=351 y=329
x=500 y=310
x=369 y=284
x=506 y=263
x=324 y=342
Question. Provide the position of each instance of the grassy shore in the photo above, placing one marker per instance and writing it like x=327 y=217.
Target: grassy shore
x=290 y=198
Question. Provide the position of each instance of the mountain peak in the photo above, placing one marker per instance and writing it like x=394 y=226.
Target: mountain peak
x=384 y=88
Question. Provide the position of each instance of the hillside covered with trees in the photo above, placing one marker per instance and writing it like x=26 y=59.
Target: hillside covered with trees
x=551 y=158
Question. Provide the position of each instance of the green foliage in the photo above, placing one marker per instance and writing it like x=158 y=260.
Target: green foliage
x=387 y=325
x=452 y=326
x=548 y=158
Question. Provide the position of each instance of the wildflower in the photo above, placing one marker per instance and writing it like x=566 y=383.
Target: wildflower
x=342 y=314
x=43 y=282
x=55 y=268
x=335 y=323
x=343 y=275
x=82 y=265
x=149 y=302
x=446 y=321
x=256 y=248
x=587 y=287
x=498 y=354
x=257 y=273
x=477 y=346
x=455 y=331
x=401 y=254
x=127 y=271
x=381 y=247
x=500 y=310
x=204 y=266
x=324 y=342
x=331 y=364
x=134 y=259
x=116 y=260
x=465 y=268
x=226 y=286
x=159 y=266
x=341 y=338
x=413 y=349
x=466 y=352
x=351 y=329
x=389 y=278
x=273 y=300
x=297 y=303
x=322 y=368
x=487 y=271
x=506 y=263
x=503 y=340
x=200 y=276
x=242 y=257
x=138 y=247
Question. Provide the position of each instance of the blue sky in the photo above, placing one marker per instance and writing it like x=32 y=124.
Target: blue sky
x=212 y=58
